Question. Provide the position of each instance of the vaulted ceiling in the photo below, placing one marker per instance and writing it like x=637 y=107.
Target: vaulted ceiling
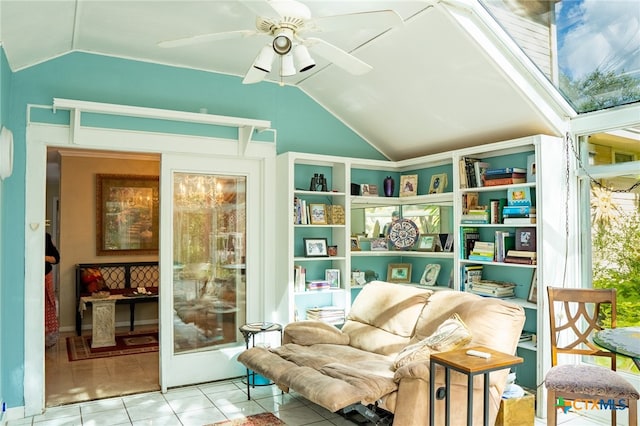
x=446 y=78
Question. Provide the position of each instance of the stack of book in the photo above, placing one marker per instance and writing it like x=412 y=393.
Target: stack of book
x=504 y=176
x=490 y=288
x=521 y=256
x=318 y=285
x=477 y=214
x=328 y=314
x=518 y=215
x=483 y=251
x=526 y=336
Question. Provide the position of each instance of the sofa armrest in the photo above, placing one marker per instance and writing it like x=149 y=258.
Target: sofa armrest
x=309 y=332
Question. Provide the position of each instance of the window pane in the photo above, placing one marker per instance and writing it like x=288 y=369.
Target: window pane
x=209 y=234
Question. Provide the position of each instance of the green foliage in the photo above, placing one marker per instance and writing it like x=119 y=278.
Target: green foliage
x=600 y=90
x=616 y=256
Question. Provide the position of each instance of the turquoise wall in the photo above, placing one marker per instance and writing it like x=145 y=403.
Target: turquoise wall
x=302 y=125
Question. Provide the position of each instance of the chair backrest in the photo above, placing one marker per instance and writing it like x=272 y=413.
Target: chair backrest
x=578 y=316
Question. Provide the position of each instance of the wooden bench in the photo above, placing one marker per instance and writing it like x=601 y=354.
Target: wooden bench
x=120 y=278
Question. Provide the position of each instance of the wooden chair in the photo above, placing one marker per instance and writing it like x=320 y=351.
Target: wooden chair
x=580 y=317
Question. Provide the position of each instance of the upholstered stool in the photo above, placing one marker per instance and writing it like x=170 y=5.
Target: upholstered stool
x=593 y=382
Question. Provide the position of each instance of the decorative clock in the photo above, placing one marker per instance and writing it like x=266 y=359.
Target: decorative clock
x=403 y=234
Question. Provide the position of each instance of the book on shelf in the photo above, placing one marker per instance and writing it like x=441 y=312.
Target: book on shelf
x=522 y=253
x=467 y=172
x=505 y=241
x=299 y=278
x=492 y=288
x=479 y=168
x=469 y=236
x=519 y=220
x=510 y=210
x=504 y=181
x=496 y=206
x=504 y=175
x=519 y=216
x=526 y=336
x=480 y=257
x=475 y=218
x=318 y=285
x=328 y=314
x=472 y=273
x=520 y=260
x=497 y=171
x=526 y=239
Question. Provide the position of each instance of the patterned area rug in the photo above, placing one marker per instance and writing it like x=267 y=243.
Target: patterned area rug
x=79 y=347
x=262 y=419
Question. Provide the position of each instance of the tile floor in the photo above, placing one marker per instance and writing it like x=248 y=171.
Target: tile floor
x=98 y=393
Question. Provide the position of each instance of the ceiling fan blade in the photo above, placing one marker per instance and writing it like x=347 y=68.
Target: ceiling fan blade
x=376 y=19
x=205 y=38
x=338 y=56
x=254 y=75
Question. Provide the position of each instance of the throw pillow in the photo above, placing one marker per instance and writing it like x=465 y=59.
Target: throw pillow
x=451 y=334
x=92 y=280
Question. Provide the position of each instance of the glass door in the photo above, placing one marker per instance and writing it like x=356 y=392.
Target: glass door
x=205 y=255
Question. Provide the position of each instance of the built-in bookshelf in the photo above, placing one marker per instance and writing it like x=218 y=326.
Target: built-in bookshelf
x=345 y=176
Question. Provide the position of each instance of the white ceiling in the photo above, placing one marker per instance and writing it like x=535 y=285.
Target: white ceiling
x=438 y=82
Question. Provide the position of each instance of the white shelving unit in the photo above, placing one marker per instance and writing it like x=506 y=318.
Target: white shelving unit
x=296 y=169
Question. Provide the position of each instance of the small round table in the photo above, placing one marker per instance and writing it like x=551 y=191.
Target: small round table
x=622 y=340
x=249 y=332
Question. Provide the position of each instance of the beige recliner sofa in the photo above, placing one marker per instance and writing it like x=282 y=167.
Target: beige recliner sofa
x=355 y=366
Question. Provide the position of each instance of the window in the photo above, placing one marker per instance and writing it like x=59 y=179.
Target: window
x=586 y=48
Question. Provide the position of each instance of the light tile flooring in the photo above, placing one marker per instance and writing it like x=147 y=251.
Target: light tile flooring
x=99 y=392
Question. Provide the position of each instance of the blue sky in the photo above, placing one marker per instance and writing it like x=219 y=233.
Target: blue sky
x=602 y=34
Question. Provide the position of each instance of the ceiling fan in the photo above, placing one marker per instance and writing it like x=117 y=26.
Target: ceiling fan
x=285 y=22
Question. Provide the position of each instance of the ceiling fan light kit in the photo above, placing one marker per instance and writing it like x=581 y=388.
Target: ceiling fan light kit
x=283 y=41
x=303 y=58
x=287 y=69
x=264 y=60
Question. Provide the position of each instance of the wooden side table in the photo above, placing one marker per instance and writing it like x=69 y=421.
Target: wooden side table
x=249 y=332
x=470 y=365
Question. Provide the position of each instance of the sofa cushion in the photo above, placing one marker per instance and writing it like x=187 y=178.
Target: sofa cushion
x=385 y=330
x=450 y=335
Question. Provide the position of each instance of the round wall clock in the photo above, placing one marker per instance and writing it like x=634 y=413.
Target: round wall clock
x=403 y=234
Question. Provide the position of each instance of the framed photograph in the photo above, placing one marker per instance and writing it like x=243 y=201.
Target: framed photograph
x=315 y=247
x=446 y=240
x=427 y=242
x=533 y=290
x=379 y=244
x=438 y=183
x=408 y=185
x=332 y=276
x=355 y=244
x=317 y=214
x=127 y=215
x=399 y=273
x=369 y=190
x=430 y=274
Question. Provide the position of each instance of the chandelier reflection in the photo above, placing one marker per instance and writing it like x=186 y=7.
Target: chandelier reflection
x=200 y=191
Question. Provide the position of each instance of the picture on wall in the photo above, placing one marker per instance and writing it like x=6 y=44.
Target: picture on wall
x=127 y=214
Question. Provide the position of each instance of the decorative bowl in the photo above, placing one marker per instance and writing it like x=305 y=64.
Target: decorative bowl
x=100 y=294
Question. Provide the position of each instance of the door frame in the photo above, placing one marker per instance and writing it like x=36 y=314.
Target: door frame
x=40 y=136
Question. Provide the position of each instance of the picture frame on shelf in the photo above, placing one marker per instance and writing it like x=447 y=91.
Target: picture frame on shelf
x=355 y=244
x=315 y=247
x=446 y=240
x=332 y=276
x=430 y=274
x=332 y=250
x=427 y=242
x=533 y=288
x=369 y=190
x=438 y=183
x=408 y=185
x=399 y=273
x=317 y=214
x=379 y=244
